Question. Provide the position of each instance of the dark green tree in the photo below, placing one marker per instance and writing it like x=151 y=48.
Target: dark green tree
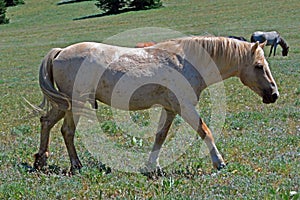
x=3 y=19
x=145 y=4
x=13 y=2
x=111 y=6
x=115 y=6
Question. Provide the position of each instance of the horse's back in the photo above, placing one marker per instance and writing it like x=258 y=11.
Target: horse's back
x=82 y=67
x=85 y=50
x=261 y=36
x=79 y=59
x=256 y=33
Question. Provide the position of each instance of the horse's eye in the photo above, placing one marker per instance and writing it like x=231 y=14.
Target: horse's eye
x=259 y=66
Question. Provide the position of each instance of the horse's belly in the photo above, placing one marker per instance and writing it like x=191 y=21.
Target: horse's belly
x=128 y=97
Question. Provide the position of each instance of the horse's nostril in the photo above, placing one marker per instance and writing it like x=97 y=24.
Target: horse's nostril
x=275 y=96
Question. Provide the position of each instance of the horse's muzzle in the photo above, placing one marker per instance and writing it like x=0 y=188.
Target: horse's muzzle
x=270 y=98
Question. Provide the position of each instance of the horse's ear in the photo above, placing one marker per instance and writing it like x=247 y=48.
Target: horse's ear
x=262 y=45
x=254 y=47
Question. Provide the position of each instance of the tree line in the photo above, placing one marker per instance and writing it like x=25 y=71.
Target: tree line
x=3 y=5
x=116 y=6
x=108 y=6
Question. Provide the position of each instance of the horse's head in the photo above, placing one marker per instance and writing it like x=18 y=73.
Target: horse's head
x=255 y=74
x=285 y=51
x=284 y=46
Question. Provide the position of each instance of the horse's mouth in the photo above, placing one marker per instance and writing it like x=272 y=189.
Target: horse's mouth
x=270 y=98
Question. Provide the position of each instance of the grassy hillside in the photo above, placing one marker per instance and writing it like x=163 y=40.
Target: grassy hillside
x=260 y=142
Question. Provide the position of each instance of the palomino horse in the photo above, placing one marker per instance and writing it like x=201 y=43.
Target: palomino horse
x=102 y=68
x=273 y=38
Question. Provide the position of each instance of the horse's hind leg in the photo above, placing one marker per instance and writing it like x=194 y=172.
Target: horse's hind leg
x=165 y=122
x=68 y=132
x=47 y=122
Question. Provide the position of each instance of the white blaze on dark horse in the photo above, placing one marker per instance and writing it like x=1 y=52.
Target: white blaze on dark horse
x=273 y=38
x=105 y=65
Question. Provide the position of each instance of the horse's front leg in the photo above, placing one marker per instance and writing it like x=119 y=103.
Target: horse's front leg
x=272 y=50
x=47 y=122
x=275 y=47
x=165 y=122
x=206 y=135
x=68 y=132
x=191 y=116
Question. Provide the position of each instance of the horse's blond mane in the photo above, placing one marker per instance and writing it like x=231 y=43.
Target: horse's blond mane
x=216 y=47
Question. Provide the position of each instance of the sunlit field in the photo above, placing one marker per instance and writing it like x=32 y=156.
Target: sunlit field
x=260 y=143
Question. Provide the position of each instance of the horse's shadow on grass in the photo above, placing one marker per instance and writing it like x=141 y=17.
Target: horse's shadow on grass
x=56 y=170
x=182 y=171
x=49 y=169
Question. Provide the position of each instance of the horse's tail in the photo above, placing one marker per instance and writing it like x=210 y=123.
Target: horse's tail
x=46 y=80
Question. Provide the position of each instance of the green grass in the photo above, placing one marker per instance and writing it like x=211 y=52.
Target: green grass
x=260 y=142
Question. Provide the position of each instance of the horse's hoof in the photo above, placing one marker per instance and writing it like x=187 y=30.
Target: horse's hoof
x=160 y=172
x=75 y=167
x=40 y=160
x=222 y=166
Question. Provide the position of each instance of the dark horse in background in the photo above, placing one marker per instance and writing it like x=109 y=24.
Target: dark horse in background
x=273 y=38
x=237 y=38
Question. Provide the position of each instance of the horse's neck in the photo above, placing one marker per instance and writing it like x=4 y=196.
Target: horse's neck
x=282 y=43
x=227 y=69
x=217 y=70
x=212 y=70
